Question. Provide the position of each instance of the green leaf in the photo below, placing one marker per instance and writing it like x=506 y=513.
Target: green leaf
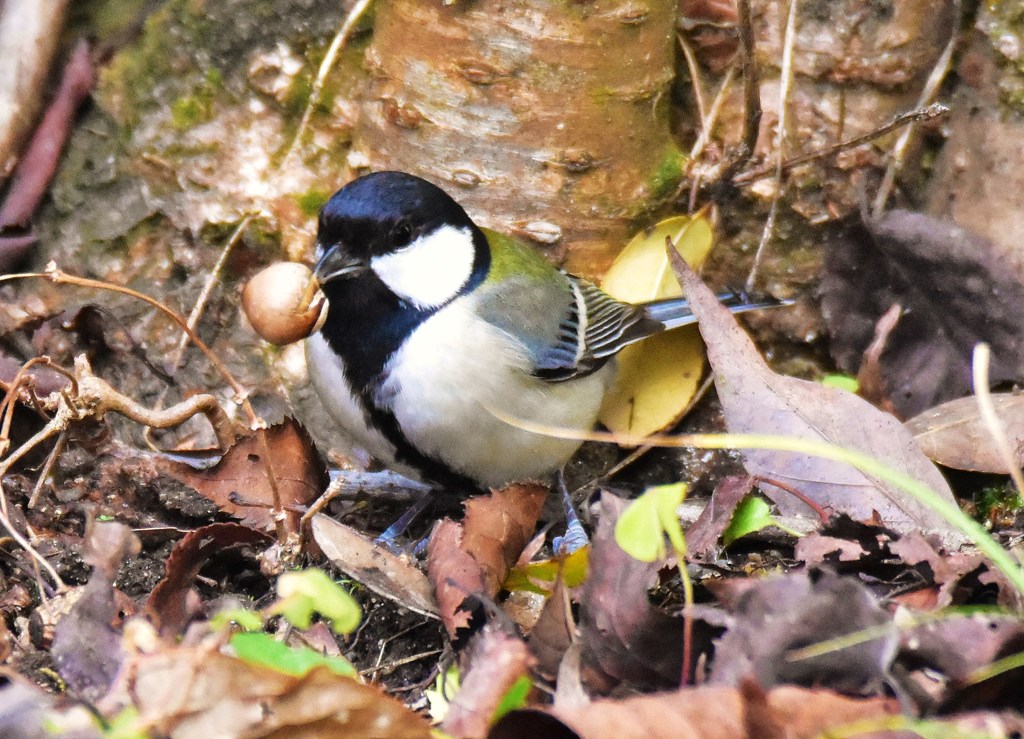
x=641 y=529
x=843 y=382
x=258 y=648
x=752 y=514
x=125 y=725
x=303 y=593
x=539 y=577
x=515 y=697
x=446 y=685
x=244 y=618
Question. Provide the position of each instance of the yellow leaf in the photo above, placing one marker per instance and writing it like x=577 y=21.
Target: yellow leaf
x=658 y=377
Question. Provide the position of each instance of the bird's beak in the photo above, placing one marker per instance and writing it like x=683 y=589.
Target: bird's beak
x=337 y=264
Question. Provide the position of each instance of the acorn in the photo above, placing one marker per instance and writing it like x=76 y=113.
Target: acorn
x=284 y=303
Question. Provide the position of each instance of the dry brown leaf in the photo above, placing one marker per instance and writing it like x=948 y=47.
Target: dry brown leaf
x=956 y=288
x=167 y=605
x=390 y=576
x=954 y=434
x=702 y=537
x=708 y=712
x=554 y=630
x=759 y=401
x=476 y=555
x=624 y=637
x=198 y=692
x=498 y=527
x=87 y=644
x=495 y=662
x=242 y=474
x=785 y=613
x=454 y=574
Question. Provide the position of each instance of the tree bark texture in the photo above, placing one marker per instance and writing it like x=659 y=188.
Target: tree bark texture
x=545 y=119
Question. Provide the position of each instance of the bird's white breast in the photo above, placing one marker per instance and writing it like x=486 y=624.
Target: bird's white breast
x=454 y=368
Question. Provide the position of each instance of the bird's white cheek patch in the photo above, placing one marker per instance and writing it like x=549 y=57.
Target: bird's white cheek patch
x=431 y=270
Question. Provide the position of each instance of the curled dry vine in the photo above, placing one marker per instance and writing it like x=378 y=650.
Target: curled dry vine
x=86 y=396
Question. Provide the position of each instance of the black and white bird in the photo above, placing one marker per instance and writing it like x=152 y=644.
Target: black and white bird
x=433 y=323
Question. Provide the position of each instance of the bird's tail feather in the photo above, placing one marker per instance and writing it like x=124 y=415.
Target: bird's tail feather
x=675 y=312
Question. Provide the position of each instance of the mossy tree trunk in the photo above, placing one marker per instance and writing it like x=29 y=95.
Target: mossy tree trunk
x=545 y=119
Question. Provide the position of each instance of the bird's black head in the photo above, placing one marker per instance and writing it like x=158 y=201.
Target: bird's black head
x=403 y=231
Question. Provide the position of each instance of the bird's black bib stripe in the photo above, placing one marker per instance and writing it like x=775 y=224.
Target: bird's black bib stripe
x=366 y=334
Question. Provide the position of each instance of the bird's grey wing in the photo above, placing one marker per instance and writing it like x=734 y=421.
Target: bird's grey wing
x=570 y=330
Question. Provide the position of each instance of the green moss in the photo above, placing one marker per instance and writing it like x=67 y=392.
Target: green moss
x=996 y=502
x=191 y=110
x=668 y=174
x=312 y=201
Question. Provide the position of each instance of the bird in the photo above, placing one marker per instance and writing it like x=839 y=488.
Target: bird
x=434 y=323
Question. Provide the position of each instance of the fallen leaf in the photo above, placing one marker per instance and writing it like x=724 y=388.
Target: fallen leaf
x=553 y=632
x=240 y=485
x=168 y=604
x=657 y=378
x=496 y=661
x=956 y=288
x=702 y=537
x=454 y=574
x=374 y=566
x=758 y=401
x=954 y=434
x=624 y=637
x=198 y=692
x=707 y=712
x=781 y=614
x=87 y=643
x=477 y=555
x=498 y=527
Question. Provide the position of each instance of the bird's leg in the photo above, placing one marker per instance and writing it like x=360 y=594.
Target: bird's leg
x=575 y=537
x=391 y=534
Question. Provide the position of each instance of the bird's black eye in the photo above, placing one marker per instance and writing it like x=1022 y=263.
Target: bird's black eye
x=401 y=234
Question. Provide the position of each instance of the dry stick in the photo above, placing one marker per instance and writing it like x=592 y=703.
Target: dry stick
x=928 y=93
x=96 y=398
x=707 y=126
x=918 y=115
x=994 y=424
x=785 y=82
x=751 y=80
x=337 y=44
x=820 y=512
x=204 y=295
x=51 y=460
x=241 y=394
x=197 y=312
x=696 y=79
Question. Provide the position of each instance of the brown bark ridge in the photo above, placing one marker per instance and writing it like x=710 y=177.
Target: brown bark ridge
x=545 y=120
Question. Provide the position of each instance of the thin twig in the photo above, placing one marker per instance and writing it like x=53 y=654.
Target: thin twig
x=696 y=80
x=55 y=275
x=785 y=82
x=51 y=459
x=5 y=521
x=707 y=126
x=197 y=312
x=204 y=294
x=987 y=410
x=751 y=80
x=928 y=93
x=918 y=115
x=820 y=512
x=337 y=44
